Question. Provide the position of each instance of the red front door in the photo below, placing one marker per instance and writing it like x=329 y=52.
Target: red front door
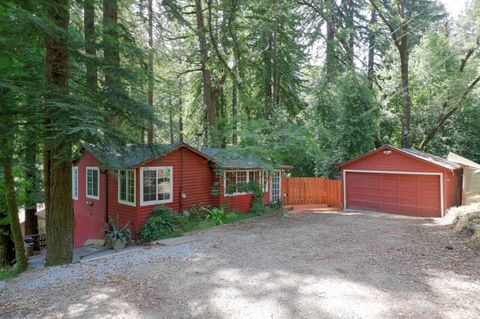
x=89 y=223
x=417 y=195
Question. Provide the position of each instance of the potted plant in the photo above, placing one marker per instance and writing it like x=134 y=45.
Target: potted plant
x=116 y=237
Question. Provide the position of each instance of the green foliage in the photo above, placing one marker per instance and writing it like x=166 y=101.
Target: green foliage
x=156 y=227
x=164 y=211
x=251 y=188
x=219 y=217
x=113 y=233
x=7 y=272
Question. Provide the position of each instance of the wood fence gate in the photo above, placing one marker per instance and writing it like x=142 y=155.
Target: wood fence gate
x=311 y=190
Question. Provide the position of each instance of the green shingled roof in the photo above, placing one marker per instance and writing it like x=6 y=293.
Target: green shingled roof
x=128 y=156
x=230 y=159
x=132 y=155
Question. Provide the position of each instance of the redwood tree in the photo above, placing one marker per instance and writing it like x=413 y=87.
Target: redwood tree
x=58 y=171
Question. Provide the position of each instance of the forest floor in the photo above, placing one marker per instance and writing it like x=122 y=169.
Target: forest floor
x=320 y=265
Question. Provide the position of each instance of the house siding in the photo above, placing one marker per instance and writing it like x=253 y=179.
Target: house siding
x=192 y=176
x=88 y=220
x=119 y=212
x=238 y=203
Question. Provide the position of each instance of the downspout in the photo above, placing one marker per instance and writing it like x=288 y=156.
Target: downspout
x=106 y=196
x=181 y=181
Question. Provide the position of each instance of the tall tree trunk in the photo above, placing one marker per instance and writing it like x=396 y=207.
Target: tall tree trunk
x=90 y=45
x=331 y=58
x=31 y=220
x=150 y=71
x=267 y=60
x=180 y=121
x=59 y=211
x=405 y=94
x=371 y=49
x=111 y=54
x=6 y=153
x=234 y=110
x=15 y=231
x=11 y=240
x=276 y=73
x=209 y=92
x=170 y=122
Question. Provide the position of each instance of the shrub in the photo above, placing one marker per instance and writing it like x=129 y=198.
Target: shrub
x=197 y=213
x=156 y=227
x=164 y=211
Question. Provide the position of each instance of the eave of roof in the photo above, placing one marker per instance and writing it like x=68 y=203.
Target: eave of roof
x=426 y=157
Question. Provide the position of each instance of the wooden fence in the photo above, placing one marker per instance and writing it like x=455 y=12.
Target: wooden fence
x=311 y=190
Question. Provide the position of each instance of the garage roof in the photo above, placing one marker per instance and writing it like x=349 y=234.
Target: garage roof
x=433 y=159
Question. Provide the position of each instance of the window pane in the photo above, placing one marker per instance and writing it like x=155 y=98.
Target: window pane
x=131 y=186
x=163 y=184
x=95 y=183
x=123 y=185
x=241 y=178
x=230 y=179
x=149 y=185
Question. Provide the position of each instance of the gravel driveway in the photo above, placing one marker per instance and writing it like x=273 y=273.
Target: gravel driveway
x=312 y=265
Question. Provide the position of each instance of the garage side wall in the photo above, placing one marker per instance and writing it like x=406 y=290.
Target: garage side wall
x=452 y=188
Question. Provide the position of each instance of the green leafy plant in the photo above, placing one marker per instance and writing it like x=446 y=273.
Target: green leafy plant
x=219 y=217
x=116 y=237
x=164 y=211
x=256 y=190
x=157 y=227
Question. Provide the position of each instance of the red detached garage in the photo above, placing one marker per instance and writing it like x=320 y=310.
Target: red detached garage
x=403 y=181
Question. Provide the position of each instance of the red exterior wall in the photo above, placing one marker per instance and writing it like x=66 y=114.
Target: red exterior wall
x=397 y=161
x=238 y=203
x=192 y=175
x=88 y=220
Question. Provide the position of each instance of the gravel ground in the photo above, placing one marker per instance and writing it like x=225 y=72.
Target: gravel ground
x=322 y=265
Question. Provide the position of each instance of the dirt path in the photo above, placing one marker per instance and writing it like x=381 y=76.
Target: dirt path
x=339 y=265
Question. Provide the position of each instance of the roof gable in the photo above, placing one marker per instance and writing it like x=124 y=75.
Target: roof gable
x=134 y=155
x=411 y=153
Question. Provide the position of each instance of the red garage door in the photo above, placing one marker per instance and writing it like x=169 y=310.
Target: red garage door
x=417 y=195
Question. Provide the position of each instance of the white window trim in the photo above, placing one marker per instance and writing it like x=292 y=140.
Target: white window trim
x=93 y=168
x=155 y=168
x=344 y=182
x=263 y=185
x=74 y=182
x=123 y=202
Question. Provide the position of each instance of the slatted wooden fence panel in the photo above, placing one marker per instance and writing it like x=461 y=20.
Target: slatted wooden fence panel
x=311 y=190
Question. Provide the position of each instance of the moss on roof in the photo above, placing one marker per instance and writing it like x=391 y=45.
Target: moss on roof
x=128 y=156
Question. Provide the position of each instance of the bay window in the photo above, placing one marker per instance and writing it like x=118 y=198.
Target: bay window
x=156 y=185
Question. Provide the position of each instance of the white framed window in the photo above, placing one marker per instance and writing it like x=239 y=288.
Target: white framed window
x=156 y=185
x=126 y=187
x=265 y=181
x=75 y=182
x=93 y=182
x=234 y=177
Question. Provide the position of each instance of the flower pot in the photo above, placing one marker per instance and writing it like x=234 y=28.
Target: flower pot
x=120 y=243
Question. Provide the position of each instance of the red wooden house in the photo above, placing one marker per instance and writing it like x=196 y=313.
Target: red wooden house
x=126 y=183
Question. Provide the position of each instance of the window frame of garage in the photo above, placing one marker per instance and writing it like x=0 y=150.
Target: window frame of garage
x=344 y=182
